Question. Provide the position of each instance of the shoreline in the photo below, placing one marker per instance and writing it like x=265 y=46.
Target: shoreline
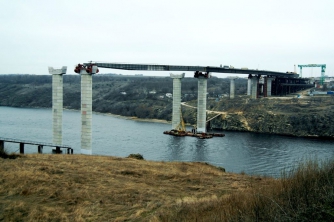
x=124 y=117
x=169 y=122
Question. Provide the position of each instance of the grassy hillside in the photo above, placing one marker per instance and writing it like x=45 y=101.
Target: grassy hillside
x=95 y=188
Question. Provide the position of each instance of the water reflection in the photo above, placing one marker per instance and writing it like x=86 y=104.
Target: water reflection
x=200 y=150
x=175 y=147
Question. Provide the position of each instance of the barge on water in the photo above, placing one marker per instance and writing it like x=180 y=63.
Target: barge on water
x=180 y=133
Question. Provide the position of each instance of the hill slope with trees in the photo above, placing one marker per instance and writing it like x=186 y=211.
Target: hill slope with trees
x=142 y=97
x=146 y=97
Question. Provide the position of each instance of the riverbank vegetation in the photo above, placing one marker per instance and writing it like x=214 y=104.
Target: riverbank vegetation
x=150 y=98
x=100 y=188
x=141 y=97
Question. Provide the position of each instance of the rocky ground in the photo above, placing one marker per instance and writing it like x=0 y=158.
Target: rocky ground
x=306 y=116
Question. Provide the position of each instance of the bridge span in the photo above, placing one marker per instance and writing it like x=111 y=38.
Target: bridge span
x=272 y=83
x=182 y=68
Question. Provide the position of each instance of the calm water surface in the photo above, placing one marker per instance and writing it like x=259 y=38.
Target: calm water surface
x=237 y=151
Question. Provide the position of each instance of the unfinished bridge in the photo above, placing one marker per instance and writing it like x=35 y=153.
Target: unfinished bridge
x=260 y=83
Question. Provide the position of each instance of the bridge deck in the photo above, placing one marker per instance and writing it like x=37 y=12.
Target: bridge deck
x=148 y=67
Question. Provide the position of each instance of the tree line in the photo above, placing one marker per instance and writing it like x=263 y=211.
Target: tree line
x=143 y=97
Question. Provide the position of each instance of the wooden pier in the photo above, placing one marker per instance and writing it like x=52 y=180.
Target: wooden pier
x=39 y=145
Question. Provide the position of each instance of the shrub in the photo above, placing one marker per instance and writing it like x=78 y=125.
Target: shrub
x=5 y=155
x=136 y=156
x=303 y=194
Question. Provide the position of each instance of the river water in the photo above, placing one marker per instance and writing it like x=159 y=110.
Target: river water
x=114 y=136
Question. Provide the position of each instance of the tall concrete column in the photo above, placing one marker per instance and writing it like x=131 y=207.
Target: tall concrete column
x=176 y=117
x=255 y=81
x=57 y=104
x=249 y=86
x=260 y=86
x=232 y=87
x=86 y=110
x=201 y=104
x=269 y=83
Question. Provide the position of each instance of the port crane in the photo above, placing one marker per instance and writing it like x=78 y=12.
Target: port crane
x=323 y=69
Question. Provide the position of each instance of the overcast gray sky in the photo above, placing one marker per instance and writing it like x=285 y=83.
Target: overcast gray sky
x=264 y=34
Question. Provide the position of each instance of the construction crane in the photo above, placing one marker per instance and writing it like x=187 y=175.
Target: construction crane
x=88 y=68
x=323 y=69
x=181 y=126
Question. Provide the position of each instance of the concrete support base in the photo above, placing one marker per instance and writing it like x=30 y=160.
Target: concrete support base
x=86 y=110
x=201 y=104
x=176 y=117
x=57 y=103
x=57 y=108
x=232 y=88
x=249 y=86
x=86 y=113
x=269 y=84
x=254 y=87
x=86 y=152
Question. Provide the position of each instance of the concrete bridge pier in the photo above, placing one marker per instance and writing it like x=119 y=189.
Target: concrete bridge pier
x=201 y=103
x=255 y=83
x=57 y=103
x=232 y=87
x=261 y=87
x=176 y=117
x=86 y=110
x=249 y=85
x=269 y=84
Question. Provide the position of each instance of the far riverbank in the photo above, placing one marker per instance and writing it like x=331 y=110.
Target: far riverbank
x=253 y=153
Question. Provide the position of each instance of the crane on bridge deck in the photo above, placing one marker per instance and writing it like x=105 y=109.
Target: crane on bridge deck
x=87 y=67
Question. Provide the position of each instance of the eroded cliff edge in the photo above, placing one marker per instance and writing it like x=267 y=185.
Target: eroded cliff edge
x=304 y=117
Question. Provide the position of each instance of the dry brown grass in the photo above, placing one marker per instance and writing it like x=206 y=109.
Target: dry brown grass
x=304 y=194
x=99 y=188
x=96 y=188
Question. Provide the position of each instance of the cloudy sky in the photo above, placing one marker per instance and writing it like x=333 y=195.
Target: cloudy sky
x=258 y=34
